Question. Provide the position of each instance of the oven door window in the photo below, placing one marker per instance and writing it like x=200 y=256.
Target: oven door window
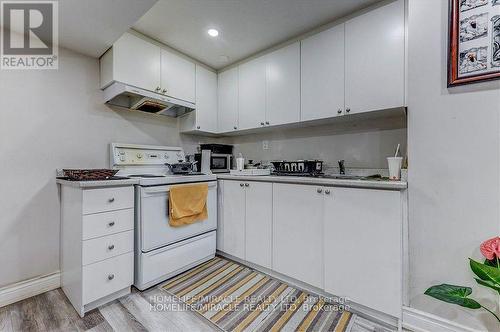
x=219 y=163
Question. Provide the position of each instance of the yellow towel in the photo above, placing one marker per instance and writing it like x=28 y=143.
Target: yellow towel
x=188 y=204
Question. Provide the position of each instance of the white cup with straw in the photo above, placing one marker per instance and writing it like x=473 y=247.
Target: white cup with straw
x=395 y=164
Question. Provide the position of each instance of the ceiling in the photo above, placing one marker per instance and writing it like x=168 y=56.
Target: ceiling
x=246 y=26
x=91 y=26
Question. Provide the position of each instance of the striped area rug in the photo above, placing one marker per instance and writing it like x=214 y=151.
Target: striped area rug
x=237 y=298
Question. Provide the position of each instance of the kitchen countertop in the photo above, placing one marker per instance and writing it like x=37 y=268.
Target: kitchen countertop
x=370 y=184
x=97 y=184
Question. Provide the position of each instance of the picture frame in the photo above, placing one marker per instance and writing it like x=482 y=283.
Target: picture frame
x=474 y=41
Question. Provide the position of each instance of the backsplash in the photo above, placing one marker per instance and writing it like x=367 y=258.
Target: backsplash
x=360 y=145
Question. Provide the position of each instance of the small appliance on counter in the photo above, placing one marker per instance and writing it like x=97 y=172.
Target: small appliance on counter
x=218 y=157
x=298 y=168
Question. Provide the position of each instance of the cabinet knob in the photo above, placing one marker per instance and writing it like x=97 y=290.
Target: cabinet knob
x=235 y=127
x=348 y=110
x=327 y=192
x=111 y=276
x=111 y=247
x=339 y=111
x=157 y=89
x=267 y=122
x=247 y=185
x=241 y=184
x=262 y=123
x=319 y=190
x=198 y=127
x=111 y=200
x=111 y=224
x=164 y=91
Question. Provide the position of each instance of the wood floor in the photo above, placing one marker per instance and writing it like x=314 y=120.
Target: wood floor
x=152 y=310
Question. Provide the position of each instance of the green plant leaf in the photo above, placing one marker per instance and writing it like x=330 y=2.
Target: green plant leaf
x=453 y=294
x=488 y=284
x=492 y=262
x=485 y=272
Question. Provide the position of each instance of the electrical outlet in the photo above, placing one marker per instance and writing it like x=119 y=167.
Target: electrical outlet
x=265 y=145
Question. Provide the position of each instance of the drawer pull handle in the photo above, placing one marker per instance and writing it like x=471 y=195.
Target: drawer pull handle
x=111 y=200
x=111 y=224
x=111 y=277
x=111 y=247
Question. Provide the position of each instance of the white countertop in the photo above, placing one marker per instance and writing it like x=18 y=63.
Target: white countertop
x=370 y=184
x=97 y=184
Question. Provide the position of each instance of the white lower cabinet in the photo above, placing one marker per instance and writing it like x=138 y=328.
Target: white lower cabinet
x=258 y=222
x=233 y=218
x=298 y=232
x=363 y=247
x=246 y=221
x=345 y=241
x=97 y=244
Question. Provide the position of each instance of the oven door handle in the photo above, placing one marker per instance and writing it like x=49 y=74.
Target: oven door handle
x=166 y=189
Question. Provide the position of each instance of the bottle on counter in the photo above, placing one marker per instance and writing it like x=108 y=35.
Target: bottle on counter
x=240 y=162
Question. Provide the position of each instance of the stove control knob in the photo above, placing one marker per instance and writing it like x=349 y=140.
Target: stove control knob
x=166 y=156
x=122 y=158
x=139 y=155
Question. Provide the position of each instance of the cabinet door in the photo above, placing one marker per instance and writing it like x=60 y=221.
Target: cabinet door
x=252 y=94
x=177 y=76
x=206 y=100
x=375 y=53
x=228 y=100
x=298 y=232
x=233 y=218
x=258 y=223
x=322 y=75
x=136 y=62
x=363 y=247
x=283 y=85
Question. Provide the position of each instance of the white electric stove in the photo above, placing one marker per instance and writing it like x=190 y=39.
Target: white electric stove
x=163 y=251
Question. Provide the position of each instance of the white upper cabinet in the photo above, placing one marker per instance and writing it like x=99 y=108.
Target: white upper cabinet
x=177 y=76
x=133 y=61
x=375 y=59
x=283 y=85
x=204 y=118
x=252 y=94
x=322 y=74
x=228 y=100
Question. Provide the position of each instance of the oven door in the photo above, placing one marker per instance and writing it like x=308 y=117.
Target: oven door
x=220 y=163
x=154 y=229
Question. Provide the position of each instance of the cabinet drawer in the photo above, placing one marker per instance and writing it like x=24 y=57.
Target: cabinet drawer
x=107 y=223
x=106 y=247
x=107 y=199
x=106 y=277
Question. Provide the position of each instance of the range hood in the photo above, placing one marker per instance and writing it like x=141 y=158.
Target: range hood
x=136 y=99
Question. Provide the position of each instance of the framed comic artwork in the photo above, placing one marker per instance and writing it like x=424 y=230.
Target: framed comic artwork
x=474 y=45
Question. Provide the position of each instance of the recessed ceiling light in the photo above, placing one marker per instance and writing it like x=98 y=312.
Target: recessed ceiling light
x=213 y=32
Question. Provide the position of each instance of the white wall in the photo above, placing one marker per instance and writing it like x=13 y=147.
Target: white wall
x=454 y=151
x=48 y=120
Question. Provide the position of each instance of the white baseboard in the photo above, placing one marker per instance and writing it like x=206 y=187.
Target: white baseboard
x=28 y=288
x=420 y=321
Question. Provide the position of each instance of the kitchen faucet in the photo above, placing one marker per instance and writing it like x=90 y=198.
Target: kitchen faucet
x=342 y=167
